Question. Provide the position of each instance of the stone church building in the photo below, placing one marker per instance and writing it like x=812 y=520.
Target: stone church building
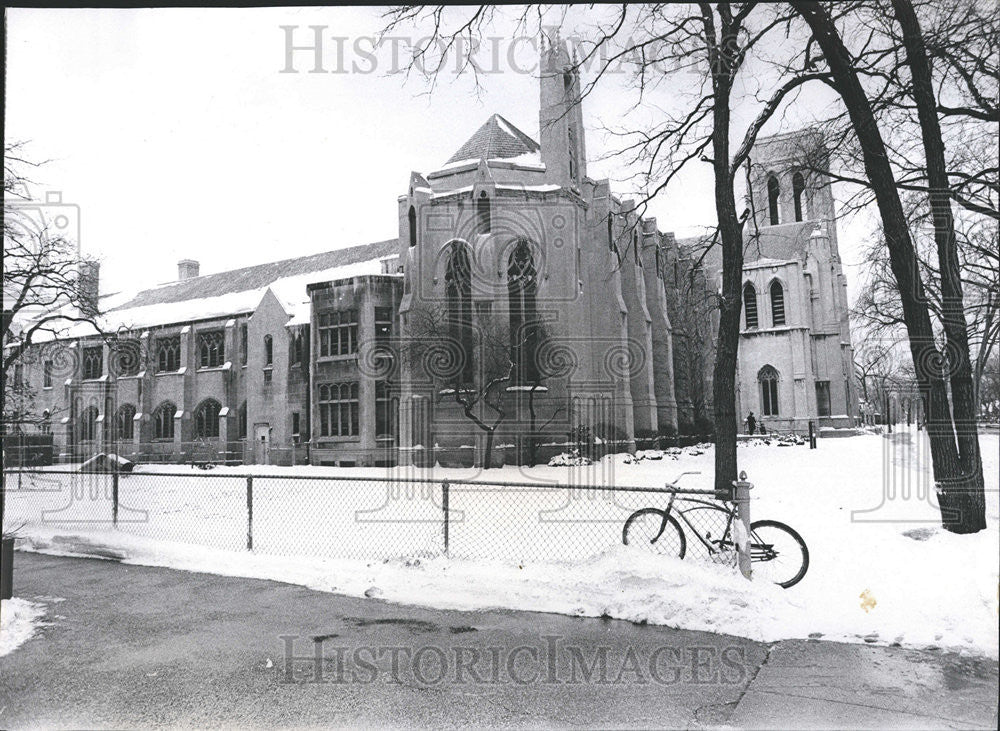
x=523 y=305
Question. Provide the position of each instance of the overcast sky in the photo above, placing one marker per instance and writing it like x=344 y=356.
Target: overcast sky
x=177 y=135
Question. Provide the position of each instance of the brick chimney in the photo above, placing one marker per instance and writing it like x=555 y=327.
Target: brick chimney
x=187 y=269
x=88 y=283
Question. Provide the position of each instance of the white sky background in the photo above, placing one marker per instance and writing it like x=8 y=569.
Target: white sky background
x=176 y=135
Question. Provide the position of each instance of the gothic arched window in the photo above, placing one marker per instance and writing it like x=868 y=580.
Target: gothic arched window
x=773 y=191
x=124 y=423
x=521 y=288
x=163 y=421
x=268 y=350
x=412 y=221
x=777 y=304
x=206 y=419
x=750 y=305
x=768 y=379
x=88 y=424
x=458 y=296
x=798 y=195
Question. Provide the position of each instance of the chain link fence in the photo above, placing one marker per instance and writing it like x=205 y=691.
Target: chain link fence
x=353 y=517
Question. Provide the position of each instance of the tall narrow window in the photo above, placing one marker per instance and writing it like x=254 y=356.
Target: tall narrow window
x=206 y=419
x=47 y=374
x=798 y=195
x=386 y=409
x=295 y=427
x=574 y=163
x=244 y=343
x=411 y=218
x=768 y=378
x=88 y=424
x=822 y=398
x=383 y=326
x=241 y=421
x=521 y=287
x=124 y=423
x=750 y=305
x=777 y=304
x=611 y=233
x=484 y=214
x=268 y=350
x=773 y=192
x=458 y=295
x=163 y=421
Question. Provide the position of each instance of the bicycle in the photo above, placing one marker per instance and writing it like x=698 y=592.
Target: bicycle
x=777 y=551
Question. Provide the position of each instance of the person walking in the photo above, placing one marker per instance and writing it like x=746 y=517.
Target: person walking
x=751 y=423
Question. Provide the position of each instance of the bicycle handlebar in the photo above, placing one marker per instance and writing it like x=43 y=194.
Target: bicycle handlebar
x=678 y=478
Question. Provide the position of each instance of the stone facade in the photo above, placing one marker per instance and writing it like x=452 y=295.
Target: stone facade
x=793 y=277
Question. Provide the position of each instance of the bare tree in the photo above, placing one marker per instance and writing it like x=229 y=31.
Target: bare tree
x=481 y=384
x=956 y=461
x=42 y=292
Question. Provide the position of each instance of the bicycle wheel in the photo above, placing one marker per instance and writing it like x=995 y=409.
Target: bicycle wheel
x=777 y=553
x=653 y=529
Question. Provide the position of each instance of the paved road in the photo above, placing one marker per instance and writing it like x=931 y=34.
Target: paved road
x=138 y=646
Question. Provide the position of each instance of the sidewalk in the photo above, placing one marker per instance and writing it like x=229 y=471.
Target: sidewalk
x=138 y=646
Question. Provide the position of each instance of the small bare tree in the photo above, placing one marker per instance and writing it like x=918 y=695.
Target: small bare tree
x=42 y=293
x=471 y=364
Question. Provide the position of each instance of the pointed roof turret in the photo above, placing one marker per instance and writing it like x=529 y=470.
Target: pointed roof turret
x=496 y=139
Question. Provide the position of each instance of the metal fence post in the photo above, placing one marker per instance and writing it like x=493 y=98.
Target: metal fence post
x=444 y=507
x=114 y=499
x=741 y=528
x=250 y=513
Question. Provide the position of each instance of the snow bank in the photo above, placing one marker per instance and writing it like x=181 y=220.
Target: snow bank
x=624 y=583
x=19 y=619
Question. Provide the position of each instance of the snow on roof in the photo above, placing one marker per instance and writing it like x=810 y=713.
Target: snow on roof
x=764 y=263
x=496 y=139
x=544 y=187
x=261 y=275
x=237 y=292
x=527 y=159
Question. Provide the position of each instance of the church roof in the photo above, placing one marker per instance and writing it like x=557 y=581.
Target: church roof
x=496 y=139
x=259 y=276
x=238 y=291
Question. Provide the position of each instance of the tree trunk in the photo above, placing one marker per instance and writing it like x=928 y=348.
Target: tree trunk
x=724 y=375
x=971 y=513
x=488 y=457
x=927 y=360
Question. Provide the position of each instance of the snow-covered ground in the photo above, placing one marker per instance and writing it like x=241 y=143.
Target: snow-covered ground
x=19 y=619
x=881 y=569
